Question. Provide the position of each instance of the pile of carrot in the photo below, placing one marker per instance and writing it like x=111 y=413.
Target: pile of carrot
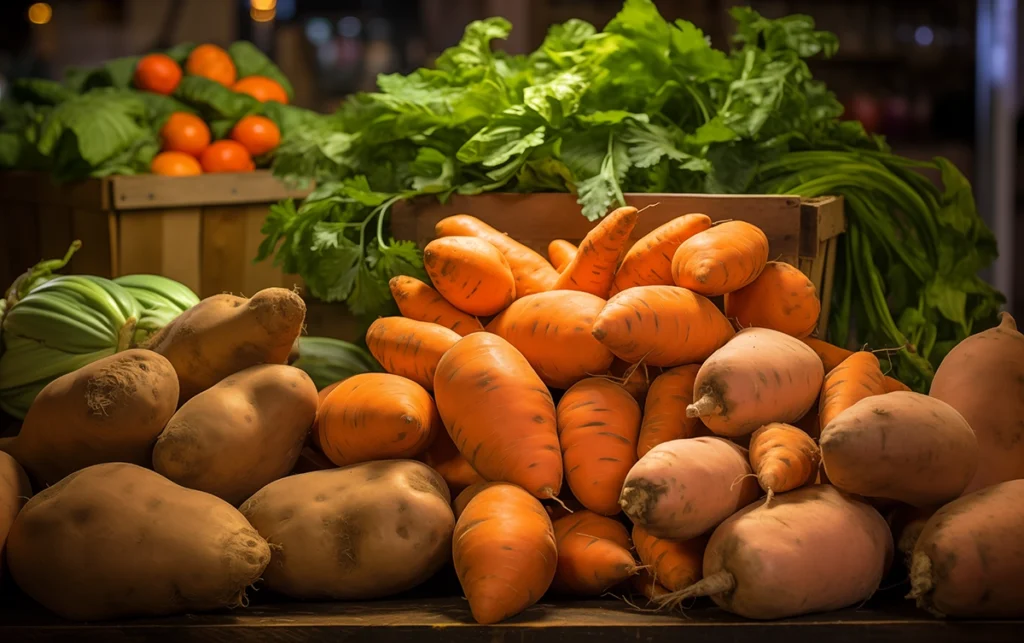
x=672 y=420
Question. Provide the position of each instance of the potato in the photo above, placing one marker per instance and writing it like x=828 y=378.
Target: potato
x=983 y=379
x=241 y=434
x=901 y=446
x=116 y=540
x=968 y=560
x=683 y=488
x=814 y=549
x=109 y=411
x=14 y=491
x=224 y=334
x=365 y=531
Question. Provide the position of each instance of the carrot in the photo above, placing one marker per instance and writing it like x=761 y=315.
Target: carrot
x=592 y=269
x=781 y=298
x=857 y=377
x=443 y=456
x=376 y=416
x=649 y=261
x=532 y=272
x=635 y=378
x=598 y=424
x=409 y=348
x=416 y=300
x=462 y=499
x=314 y=431
x=783 y=457
x=647 y=586
x=892 y=385
x=674 y=564
x=665 y=411
x=471 y=274
x=499 y=414
x=504 y=552
x=722 y=259
x=593 y=554
x=830 y=354
x=553 y=332
x=561 y=252
x=661 y=326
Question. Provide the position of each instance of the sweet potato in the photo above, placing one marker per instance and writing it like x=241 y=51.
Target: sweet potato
x=471 y=274
x=15 y=490
x=116 y=540
x=224 y=334
x=409 y=348
x=682 y=488
x=983 y=379
x=109 y=411
x=365 y=531
x=593 y=554
x=901 y=446
x=814 y=549
x=443 y=456
x=968 y=560
x=239 y=435
x=759 y=376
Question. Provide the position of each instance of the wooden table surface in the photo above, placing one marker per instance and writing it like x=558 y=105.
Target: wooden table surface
x=447 y=620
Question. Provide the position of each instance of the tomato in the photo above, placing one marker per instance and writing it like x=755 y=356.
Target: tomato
x=184 y=132
x=227 y=156
x=157 y=73
x=210 y=61
x=262 y=89
x=175 y=164
x=258 y=134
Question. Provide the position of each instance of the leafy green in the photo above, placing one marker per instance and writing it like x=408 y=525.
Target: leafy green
x=250 y=61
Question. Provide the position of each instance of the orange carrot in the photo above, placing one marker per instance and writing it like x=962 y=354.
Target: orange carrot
x=462 y=499
x=314 y=431
x=665 y=411
x=499 y=414
x=857 y=377
x=598 y=424
x=553 y=332
x=675 y=564
x=592 y=269
x=892 y=385
x=532 y=272
x=593 y=554
x=831 y=356
x=561 y=252
x=504 y=552
x=376 y=416
x=416 y=300
x=722 y=259
x=409 y=348
x=649 y=261
x=471 y=274
x=783 y=457
x=635 y=378
x=781 y=298
x=661 y=326
x=443 y=456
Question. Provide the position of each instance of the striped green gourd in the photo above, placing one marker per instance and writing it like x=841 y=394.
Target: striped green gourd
x=161 y=300
x=327 y=360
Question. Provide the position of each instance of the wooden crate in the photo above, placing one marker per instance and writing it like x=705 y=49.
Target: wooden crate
x=200 y=230
x=801 y=232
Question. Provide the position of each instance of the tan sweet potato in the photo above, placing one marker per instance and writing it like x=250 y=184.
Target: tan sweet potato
x=224 y=334
x=365 y=531
x=901 y=446
x=968 y=560
x=116 y=540
x=241 y=434
x=683 y=488
x=15 y=490
x=814 y=549
x=983 y=379
x=109 y=411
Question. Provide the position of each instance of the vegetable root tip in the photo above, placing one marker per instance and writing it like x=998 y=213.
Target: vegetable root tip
x=718 y=583
x=705 y=406
x=1006 y=321
x=549 y=494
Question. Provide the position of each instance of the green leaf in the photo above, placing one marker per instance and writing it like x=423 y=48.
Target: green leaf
x=474 y=50
x=433 y=170
x=556 y=99
x=337 y=262
x=213 y=100
x=250 y=61
x=39 y=91
x=648 y=144
x=599 y=192
x=180 y=52
x=94 y=126
x=512 y=134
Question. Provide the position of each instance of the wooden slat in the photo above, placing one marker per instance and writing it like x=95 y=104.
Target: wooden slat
x=224 y=257
x=90 y=227
x=163 y=242
x=56 y=230
x=820 y=219
x=39 y=188
x=264 y=274
x=19 y=241
x=828 y=282
x=536 y=219
x=151 y=191
x=182 y=244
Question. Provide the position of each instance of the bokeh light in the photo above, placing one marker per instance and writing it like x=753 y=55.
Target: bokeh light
x=40 y=13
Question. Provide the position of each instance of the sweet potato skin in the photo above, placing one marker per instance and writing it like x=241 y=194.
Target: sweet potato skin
x=365 y=531
x=15 y=490
x=901 y=446
x=116 y=540
x=983 y=379
x=784 y=556
x=241 y=434
x=682 y=488
x=224 y=334
x=968 y=560
x=109 y=411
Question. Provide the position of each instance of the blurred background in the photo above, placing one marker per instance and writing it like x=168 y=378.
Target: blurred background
x=936 y=77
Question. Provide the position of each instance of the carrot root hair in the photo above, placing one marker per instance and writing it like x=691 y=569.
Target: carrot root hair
x=740 y=479
x=549 y=494
x=707 y=405
x=768 y=498
x=718 y=583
